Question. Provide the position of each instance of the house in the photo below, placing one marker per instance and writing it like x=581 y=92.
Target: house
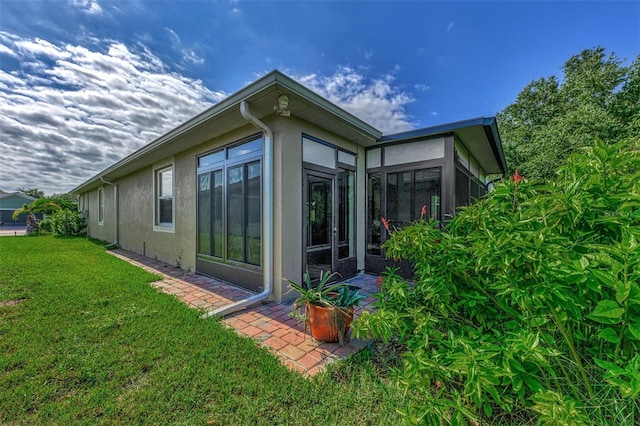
x=11 y=201
x=275 y=180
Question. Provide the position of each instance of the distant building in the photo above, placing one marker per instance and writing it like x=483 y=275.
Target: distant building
x=9 y=202
x=275 y=180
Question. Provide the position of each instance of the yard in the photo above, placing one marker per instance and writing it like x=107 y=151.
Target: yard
x=85 y=339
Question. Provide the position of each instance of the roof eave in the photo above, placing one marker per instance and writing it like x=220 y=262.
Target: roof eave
x=274 y=78
x=493 y=135
x=310 y=96
x=488 y=124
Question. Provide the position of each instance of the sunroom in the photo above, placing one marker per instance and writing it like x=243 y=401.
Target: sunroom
x=427 y=173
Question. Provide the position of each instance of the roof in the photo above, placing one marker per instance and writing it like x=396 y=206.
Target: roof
x=479 y=136
x=14 y=200
x=225 y=116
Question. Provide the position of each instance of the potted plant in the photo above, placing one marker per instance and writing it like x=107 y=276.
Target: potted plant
x=325 y=307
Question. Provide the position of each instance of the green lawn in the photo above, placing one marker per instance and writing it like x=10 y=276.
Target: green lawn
x=85 y=339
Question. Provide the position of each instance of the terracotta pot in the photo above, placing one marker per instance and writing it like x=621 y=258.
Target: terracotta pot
x=325 y=322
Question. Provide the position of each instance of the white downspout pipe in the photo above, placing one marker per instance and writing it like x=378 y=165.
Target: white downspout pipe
x=267 y=220
x=117 y=209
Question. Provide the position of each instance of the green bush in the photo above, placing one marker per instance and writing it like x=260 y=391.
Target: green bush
x=66 y=223
x=526 y=308
x=45 y=225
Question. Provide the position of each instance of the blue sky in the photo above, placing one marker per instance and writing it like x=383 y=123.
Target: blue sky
x=84 y=83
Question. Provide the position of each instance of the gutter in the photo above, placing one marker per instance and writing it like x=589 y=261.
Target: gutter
x=267 y=220
x=117 y=209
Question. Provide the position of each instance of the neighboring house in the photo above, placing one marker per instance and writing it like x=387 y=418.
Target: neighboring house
x=275 y=180
x=9 y=202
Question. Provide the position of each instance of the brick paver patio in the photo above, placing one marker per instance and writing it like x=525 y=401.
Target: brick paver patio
x=268 y=323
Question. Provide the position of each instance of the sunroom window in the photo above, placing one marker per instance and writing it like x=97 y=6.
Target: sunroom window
x=230 y=203
x=401 y=197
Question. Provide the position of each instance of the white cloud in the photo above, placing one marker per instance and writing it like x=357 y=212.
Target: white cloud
x=421 y=87
x=450 y=26
x=5 y=50
x=375 y=100
x=70 y=111
x=88 y=6
x=188 y=54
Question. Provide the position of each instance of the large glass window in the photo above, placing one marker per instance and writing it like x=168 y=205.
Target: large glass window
x=164 y=192
x=216 y=214
x=400 y=206
x=235 y=213
x=468 y=188
x=375 y=213
x=427 y=193
x=409 y=196
x=346 y=213
x=462 y=188
x=204 y=213
x=253 y=236
x=230 y=203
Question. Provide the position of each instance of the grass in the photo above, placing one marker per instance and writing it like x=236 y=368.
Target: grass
x=84 y=339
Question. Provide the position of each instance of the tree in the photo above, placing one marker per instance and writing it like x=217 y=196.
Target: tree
x=41 y=205
x=598 y=97
x=65 y=201
x=32 y=192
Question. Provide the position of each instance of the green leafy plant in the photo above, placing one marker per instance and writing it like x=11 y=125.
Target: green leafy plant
x=337 y=298
x=66 y=223
x=347 y=297
x=315 y=294
x=527 y=305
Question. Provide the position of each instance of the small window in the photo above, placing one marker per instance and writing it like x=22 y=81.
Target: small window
x=100 y=206
x=214 y=157
x=245 y=148
x=164 y=191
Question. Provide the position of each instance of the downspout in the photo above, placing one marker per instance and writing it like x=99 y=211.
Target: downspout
x=117 y=209
x=267 y=220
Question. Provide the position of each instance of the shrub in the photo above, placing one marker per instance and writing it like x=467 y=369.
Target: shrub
x=527 y=305
x=66 y=223
x=45 y=225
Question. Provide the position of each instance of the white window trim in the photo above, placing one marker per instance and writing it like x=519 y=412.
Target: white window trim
x=159 y=167
x=101 y=191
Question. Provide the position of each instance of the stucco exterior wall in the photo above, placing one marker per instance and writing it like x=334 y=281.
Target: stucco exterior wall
x=288 y=206
x=137 y=234
x=106 y=230
x=179 y=247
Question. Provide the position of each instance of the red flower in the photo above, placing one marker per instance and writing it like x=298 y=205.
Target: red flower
x=437 y=241
x=423 y=212
x=379 y=282
x=517 y=178
x=385 y=222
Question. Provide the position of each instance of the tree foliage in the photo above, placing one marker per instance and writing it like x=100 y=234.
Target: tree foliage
x=31 y=192
x=41 y=205
x=527 y=306
x=65 y=201
x=597 y=97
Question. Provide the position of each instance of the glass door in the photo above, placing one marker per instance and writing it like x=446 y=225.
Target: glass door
x=319 y=223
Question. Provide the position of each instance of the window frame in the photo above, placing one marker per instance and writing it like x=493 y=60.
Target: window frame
x=229 y=160
x=158 y=170
x=101 y=206
x=383 y=172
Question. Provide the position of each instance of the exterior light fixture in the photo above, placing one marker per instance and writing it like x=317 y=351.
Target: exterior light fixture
x=283 y=106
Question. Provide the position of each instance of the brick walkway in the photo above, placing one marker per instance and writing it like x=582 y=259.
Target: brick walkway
x=268 y=323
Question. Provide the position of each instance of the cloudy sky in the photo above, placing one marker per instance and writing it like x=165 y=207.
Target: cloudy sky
x=83 y=83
